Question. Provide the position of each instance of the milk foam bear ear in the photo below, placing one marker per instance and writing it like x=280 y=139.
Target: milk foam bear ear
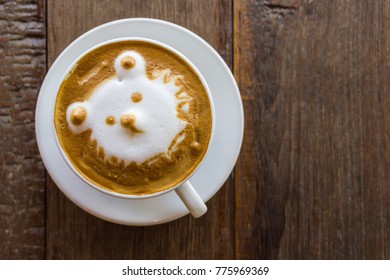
x=78 y=115
x=129 y=64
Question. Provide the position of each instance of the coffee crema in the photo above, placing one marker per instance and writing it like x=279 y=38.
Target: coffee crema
x=133 y=117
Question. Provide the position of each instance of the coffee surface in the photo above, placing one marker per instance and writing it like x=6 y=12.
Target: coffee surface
x=133 y=117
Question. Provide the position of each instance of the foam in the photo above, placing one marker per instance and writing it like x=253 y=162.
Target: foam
x=155 y=115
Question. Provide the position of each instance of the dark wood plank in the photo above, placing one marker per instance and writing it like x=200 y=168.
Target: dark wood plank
x=72 y=233
x=22 y=175
x=312 y=181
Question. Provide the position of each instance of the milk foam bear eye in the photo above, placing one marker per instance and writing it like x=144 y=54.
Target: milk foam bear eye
x=136 y=97
x=129 y=112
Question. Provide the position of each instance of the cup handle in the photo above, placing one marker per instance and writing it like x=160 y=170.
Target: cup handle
x=191 y=199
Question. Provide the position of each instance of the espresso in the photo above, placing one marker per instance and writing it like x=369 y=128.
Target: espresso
x=133 y=117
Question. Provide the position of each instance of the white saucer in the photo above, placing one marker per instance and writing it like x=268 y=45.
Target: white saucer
x=215 y=168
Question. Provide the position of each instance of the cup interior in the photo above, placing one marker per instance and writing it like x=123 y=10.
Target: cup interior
x=155 y=194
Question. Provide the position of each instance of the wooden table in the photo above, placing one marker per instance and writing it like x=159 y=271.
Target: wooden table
x=312 y=180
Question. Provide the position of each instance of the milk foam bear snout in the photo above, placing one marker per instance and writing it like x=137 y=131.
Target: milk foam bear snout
x=132 y=117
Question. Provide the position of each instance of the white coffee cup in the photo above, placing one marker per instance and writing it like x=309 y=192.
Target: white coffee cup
x=184 y=189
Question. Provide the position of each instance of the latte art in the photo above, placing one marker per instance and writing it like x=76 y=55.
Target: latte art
x=133 y=117
x=146 y=110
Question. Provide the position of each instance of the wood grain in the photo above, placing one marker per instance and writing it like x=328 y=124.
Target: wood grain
x=74 y=234
x=22 y=175
x=312 y=181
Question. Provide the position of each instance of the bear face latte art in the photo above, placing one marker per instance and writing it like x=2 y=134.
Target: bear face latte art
x=133 y=117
